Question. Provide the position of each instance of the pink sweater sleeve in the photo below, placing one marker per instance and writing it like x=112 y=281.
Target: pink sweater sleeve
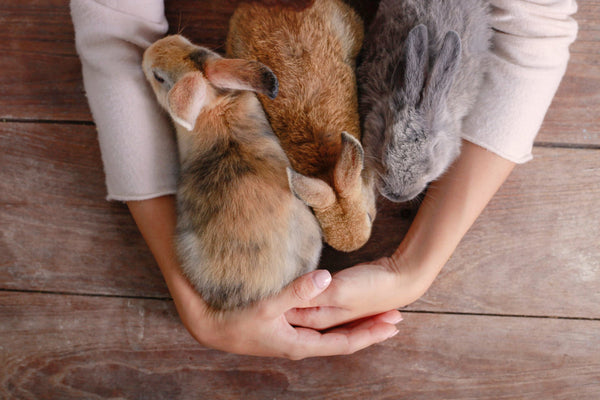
x=136 y=139
x=530 y=51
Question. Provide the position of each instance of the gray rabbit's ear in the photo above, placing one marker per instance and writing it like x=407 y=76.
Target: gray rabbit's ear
x=443 y=72
x=415 y=61
x=350 y=164
x=314 y=192
x=241 y=75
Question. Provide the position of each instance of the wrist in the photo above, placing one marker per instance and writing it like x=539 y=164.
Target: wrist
x=415 y=272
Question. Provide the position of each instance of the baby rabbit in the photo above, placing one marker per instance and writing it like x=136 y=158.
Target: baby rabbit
x=420 y=72
x=241 y=233
x=315 y=116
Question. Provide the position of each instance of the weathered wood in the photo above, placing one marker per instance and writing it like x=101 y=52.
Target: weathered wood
x=58 y=232
x=41 y=77
x=534 y=246
x=73 y=347
x=574 y=116
x=533 y=251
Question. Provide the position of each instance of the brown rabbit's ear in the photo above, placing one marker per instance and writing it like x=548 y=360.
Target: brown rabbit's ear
x=242 y=75
x=350 y=164
x=312 y=191
x=186 y=98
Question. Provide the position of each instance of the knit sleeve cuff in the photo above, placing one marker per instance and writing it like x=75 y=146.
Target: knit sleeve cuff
x=530 y=51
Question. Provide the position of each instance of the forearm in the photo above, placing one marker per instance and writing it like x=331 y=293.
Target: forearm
x=156 y=221
x=451 y=206
x=138 y=148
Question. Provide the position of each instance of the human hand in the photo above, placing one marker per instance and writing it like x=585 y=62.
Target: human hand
x=362 y=291
x=263 y=330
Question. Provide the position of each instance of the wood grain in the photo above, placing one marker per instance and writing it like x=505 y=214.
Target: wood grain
x=41 y=77
x=41 y=73
x=73 y=347
x=58 y=232
x=533 y=251
x=574 y=116
x=534 y=244
x=87 y=334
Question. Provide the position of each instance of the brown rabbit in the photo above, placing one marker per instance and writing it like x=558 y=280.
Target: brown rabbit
x=241 y=233
x=315 y=115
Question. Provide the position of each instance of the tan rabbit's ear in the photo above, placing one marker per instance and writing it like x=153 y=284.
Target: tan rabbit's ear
x=242 y=75
x=186 y=98
x=350 y=164
x=312 y=191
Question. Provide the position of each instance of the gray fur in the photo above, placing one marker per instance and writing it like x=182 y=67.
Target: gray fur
x=420 y=72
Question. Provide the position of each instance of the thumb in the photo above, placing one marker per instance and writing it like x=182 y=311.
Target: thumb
x=300 y=292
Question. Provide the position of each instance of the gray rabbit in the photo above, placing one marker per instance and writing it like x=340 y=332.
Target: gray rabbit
x=421 y=68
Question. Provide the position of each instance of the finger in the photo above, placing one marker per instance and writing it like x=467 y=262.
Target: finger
x=392 y=317
x=318 y=317
x=299 y=293
x=327 y=317
x=311 y=343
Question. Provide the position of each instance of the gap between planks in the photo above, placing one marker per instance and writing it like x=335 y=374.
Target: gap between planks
x=46 y=121
x=556 y=145
x=405 y=311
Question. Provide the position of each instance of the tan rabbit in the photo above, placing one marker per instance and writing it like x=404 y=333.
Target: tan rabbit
x=315 y=115
x=241 y=233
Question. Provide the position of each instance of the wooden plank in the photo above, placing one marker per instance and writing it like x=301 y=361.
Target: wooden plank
x=74 y=347
x=574 y=116
x=41 y=76
x=58 y=232
x=534 y=250
x=534 y=244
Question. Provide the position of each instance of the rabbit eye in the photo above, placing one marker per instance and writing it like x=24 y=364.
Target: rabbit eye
x=158 y=78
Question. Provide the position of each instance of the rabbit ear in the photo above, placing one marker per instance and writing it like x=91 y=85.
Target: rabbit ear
x=241 y=75
x=312 y=191
x=350 y=164
x=443 y=71
x=415 y=61
x=186 y=98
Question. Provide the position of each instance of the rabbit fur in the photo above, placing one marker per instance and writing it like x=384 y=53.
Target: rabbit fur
x=420 y=71
x=241 y=233
x=313 y=53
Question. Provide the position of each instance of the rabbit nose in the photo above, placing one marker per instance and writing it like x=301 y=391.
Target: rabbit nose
x=396 y=198
x=399 y=196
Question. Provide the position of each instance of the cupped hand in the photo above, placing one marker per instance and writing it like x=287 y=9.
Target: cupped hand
x=361 y=291
x=263 y=329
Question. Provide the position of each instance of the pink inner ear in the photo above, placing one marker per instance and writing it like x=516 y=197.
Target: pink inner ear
x=349 y=165
x=186 y=99
x=230 y=74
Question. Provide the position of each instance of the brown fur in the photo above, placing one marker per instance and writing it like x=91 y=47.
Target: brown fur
x=313 y=54
x=241 y=234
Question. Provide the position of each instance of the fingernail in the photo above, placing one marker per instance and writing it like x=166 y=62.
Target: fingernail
x=394 y=334
x=395 y=319
x=322 y=278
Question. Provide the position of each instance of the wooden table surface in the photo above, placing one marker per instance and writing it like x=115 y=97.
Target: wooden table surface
x=85 y=313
